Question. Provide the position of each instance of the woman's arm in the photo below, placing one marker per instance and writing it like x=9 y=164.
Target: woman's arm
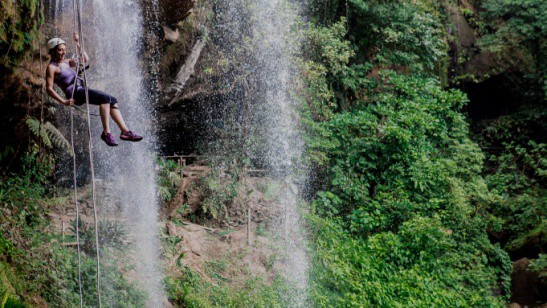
x=50 y=73
x=80 y=54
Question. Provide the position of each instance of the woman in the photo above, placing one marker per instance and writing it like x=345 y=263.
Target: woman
x=60 y=71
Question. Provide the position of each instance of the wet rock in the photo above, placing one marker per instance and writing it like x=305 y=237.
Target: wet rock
x=462 y=30
x=464 y=45
x=170 y=34
x=174 y=11
x=526 y=288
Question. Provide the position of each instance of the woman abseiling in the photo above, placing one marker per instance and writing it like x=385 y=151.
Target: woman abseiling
x=60 y=71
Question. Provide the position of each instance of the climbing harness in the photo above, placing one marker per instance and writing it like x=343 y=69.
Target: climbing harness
x=77 y=6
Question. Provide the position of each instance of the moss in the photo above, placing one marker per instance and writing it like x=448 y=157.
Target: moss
x=19 y=23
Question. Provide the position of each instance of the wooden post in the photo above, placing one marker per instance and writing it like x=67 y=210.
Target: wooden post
x=180 y=167
x=246 y=200
x=248 y=223
x=63 y=229
x=246 y=104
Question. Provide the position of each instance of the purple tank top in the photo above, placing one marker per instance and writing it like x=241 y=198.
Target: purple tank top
x=65 y=79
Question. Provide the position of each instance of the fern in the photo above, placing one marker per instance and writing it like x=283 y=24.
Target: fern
x=57 y=138
x=49 y=134
x=38 y=130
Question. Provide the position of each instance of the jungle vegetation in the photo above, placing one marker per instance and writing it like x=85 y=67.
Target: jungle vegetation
x=414 y=202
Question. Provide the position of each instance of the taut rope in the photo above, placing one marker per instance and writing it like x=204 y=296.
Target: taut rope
x=78 y=25
x=75 y=183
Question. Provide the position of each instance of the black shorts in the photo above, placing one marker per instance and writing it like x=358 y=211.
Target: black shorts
x=96 y=97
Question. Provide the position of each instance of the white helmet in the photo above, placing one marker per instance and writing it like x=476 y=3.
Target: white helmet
x=54 y=42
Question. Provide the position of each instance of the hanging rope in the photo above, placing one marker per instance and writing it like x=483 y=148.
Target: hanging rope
x=42 y=96
x=75 y=183
x=78 y=26
x=77 y=208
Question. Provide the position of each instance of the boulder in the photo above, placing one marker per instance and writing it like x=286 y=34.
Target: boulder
x=526 y=287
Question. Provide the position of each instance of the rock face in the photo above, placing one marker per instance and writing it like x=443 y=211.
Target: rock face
x=526 y=287
x=175 y=11
x=20 y=96
x=467 y=56
x=180 y=87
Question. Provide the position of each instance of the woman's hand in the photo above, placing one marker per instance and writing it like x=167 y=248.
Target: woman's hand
x=81 y=53
x=68 y=102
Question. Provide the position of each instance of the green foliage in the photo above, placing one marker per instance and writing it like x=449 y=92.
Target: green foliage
x=519 y=34
x=419 y=266
x=328 y=47
x=49 y=134
x=518 y=174
x=220 y=189
x=516 y=171
x=399 y=156
x=402 y=213
x=220 y=192
x=39 y=267
x=405 y=34
x=326 y=52
x=539 y=266
x=9 y=283
x=168 y=178
x=192 y=290
x=19 y=22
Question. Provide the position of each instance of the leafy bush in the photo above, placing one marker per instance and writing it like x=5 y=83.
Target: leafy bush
x=539 y=266
x=519 y=36
x=419 y=266
x=220 y=190
x=192 y=290
x=402 y=212
x=168 y=178
x=39 y=267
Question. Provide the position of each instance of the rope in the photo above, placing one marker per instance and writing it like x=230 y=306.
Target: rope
x=78 y=10
x=42 y=87
x=75 y=183
x=77 y=208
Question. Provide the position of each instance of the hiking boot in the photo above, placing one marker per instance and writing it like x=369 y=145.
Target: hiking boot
x=108 y=138
x=130 y=136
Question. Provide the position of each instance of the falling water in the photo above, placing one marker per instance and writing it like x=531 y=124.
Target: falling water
x=113 y=40
x=129 y=168
x=126 y=194
x=272 y=27
x=265 y=28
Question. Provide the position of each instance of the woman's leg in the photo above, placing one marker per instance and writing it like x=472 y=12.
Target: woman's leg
x=104 y=111
x=109 y=108
x=117 y=117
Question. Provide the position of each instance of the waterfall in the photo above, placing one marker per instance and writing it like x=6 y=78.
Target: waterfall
x=272 y=28
x=129 y=168
x=265 y=29
x=126 y=194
